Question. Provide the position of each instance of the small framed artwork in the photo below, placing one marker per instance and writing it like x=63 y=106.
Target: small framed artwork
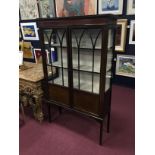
x=46 y=8
x=125 y=65
x=130 y=7
x=28 y=9
x=132 y=32
x=120 y=39
x=38 y=55
x=29 y=31
x=66 y=8
x=20 y=34
x=26 y=47
x=110 y=6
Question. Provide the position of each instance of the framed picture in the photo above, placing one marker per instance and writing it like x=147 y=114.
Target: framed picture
x=28 y=9
x=130 y=7
x=132 y=32
x=26 y=47
x=29 y=31
x=38 y=55
x=65 y=8
x=20 y=34
x=120 y=39
x=46 y=8
x=125 y=65
x=110 y=6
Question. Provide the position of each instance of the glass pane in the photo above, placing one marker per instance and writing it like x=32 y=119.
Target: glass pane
x=61 y=60
x=62 y=77
x=109 y=59
x=51 y=71
x=86 y=53
x=55 y=40
x=84 y=81
x=49 y=34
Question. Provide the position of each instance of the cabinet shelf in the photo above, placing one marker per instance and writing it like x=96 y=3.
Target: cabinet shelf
x=82 y=68
x=64 y=46
x=58 y=64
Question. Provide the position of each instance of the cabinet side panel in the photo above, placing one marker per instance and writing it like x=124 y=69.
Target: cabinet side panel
x=86 y=102
x=59 y=94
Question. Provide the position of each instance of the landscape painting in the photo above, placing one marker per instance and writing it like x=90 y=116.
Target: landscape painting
x=125 y=65
x=29 y=31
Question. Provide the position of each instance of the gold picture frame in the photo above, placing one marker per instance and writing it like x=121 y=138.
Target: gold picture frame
x=120 y=39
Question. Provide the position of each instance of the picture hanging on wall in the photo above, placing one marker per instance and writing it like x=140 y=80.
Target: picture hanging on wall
x=26 y=47
x=125 y=65
x=20 y=34
x=29 y=31
x=28 y=9
x=132 y=32
x=130 y=7
x=120 y=39
x=110 y=7
x=66 y=8
x=46 y=8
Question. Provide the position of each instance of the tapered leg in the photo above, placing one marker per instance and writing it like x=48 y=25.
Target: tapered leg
x=49 y=112
x=101 y=132
x=60 y=110
x=108 y=122
x=22 y=109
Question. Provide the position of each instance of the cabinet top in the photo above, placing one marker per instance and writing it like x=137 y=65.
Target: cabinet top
x=78 y=20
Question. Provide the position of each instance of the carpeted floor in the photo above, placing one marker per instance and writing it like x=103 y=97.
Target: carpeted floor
x=73 y=134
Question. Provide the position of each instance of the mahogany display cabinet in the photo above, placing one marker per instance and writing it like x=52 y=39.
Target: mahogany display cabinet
x=81 y=50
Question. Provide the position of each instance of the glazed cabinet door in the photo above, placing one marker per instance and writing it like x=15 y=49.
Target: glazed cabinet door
x=56 y=49
x=86 y=65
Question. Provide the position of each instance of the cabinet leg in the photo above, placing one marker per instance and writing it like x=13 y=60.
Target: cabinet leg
x=60 y=110
x=49 y=112
x=101 y=132
x=108 y=122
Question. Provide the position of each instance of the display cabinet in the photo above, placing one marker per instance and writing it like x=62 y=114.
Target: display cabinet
x=81 y=51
